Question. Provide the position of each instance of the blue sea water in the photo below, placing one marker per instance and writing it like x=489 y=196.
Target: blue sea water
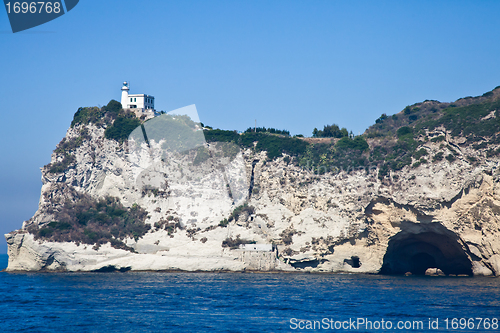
x=236 y=302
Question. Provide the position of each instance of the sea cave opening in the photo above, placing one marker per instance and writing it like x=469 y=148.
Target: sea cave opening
x=417 y=249
x=420 y=262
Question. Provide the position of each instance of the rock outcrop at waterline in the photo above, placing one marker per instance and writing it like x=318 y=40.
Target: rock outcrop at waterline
x=98 y=210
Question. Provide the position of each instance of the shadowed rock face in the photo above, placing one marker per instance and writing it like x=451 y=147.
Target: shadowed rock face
x=428 y=246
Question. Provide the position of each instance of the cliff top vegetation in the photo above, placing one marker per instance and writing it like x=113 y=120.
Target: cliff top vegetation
x=392 y=143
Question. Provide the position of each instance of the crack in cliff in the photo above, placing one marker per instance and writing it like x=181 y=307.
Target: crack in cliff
x=463 y=192
x=250 y=188
x=49 y=261
x=460 y=194
x=145 y=135
x=421 y=216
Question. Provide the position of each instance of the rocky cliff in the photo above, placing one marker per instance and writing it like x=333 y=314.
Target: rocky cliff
x=418 y=190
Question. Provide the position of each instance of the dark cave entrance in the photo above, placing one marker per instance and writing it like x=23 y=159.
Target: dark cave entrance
x=421 y=246
x=420 y=262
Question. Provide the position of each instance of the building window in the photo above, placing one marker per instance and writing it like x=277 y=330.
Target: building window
x=131 y=99
x=134 y=99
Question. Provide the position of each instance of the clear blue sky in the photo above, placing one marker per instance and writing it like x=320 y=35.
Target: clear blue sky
x=289 y=64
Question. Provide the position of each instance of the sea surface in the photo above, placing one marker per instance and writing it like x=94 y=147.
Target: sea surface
x=242 y=302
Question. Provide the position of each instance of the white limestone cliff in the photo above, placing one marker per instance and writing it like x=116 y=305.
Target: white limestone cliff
x=334 y=222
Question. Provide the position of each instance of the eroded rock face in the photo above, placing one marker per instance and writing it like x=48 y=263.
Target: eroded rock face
x=440 y=215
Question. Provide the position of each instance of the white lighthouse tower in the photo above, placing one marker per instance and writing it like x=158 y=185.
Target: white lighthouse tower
x=142 y=105
x=125 y=90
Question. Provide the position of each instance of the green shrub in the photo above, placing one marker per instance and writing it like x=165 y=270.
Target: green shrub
x=86 y=115
x=272 y=144
x=98 y=116
x=235 y=243
x=322 y=157
x=89 y=221
x=221 y=136
x=404 y=131
x=236 y=214
x=267 y=130
x=383 y=171
x=400 y=163
x=223 y=223
x=438 y=138
x=170 y=225
x=358 y=143
x=467 y=120
x=59 y=225
x=287 y=235
x=68 y=146
x=482 y=145
x=275 y=146
x=240 y=210
x=381 y=118
x=45 y=232
x=113 y=108
x=385 y=152
x=122 y=127
x=331 y=131
x=492 y=152
x=63 y=165
x=421 y=152
x=437 y=157
x=450 y=157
